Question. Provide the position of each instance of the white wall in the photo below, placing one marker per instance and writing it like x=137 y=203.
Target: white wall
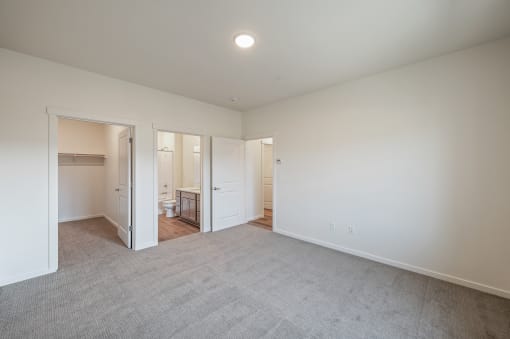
x=178 y=161
x=27 y=86
x=83 y=137
x=166 y=165
x=81 y=192
x=417 y=159
x=166 y=140
x=253 y=180
x=188 y=162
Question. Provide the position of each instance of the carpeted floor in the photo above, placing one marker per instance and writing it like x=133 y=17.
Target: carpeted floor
x=244 y=282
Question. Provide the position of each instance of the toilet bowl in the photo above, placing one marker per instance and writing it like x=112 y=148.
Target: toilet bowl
x=169 y=206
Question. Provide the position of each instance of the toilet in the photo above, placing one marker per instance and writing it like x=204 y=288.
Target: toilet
x=169 y=206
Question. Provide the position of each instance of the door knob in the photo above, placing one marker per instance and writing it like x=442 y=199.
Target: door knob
x=117 y=190
x=216 y=188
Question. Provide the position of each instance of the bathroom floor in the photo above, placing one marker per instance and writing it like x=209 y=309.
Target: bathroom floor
x=172 y=228
x=266 y=222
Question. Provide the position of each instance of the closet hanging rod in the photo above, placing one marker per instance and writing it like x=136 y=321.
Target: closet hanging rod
x=85 y=155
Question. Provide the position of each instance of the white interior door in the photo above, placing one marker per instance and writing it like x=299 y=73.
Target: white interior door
x=124 y=189
x=227 y=183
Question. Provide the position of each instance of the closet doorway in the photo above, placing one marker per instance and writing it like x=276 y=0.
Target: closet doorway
x=179 y=186
x=94 y=188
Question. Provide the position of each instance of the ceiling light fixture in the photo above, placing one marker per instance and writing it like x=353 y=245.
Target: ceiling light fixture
x=244 y=40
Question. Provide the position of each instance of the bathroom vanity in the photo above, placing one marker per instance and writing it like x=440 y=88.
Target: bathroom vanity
x=187 y=205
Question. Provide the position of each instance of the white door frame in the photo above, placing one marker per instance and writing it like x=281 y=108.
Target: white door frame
x=54 y=114
x=205 y=194
x=275 y=226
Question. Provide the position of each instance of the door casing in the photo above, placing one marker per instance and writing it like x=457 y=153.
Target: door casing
x=205 y=196
x=275 y=173
x=53 y=115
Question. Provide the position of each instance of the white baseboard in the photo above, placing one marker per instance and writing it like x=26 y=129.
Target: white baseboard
x=398 y=264
x=111 y=221
x=85 y=217
x=24 y=276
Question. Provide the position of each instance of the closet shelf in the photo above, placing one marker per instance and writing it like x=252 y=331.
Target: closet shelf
x=82 y=155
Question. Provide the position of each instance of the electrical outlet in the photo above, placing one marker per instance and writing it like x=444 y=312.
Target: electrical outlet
x=332 y=227
x=350 y=229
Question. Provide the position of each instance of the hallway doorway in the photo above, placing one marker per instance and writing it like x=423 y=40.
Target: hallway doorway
x=259 y=182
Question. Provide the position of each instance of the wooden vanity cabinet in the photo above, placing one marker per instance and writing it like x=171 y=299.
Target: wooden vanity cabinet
x=188 y=207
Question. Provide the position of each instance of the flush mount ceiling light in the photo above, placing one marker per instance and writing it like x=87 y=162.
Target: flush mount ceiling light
x=244 y=40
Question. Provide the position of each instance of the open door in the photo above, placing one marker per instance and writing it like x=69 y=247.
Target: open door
x=227 y=183
x=124 y=189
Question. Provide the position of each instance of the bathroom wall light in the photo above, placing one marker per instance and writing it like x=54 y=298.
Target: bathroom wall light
x=244 y=40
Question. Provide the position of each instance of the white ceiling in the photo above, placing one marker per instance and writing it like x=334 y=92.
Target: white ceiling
x=186 y=46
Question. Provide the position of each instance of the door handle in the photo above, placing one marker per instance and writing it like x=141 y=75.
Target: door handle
x=117 y=190
x=216 y=188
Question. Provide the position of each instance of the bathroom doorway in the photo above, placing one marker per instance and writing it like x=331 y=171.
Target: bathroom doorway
x=259 y=182
x=179 y=186
x=94 y=187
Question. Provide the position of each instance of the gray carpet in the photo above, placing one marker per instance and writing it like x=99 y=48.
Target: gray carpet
x=245 y=282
